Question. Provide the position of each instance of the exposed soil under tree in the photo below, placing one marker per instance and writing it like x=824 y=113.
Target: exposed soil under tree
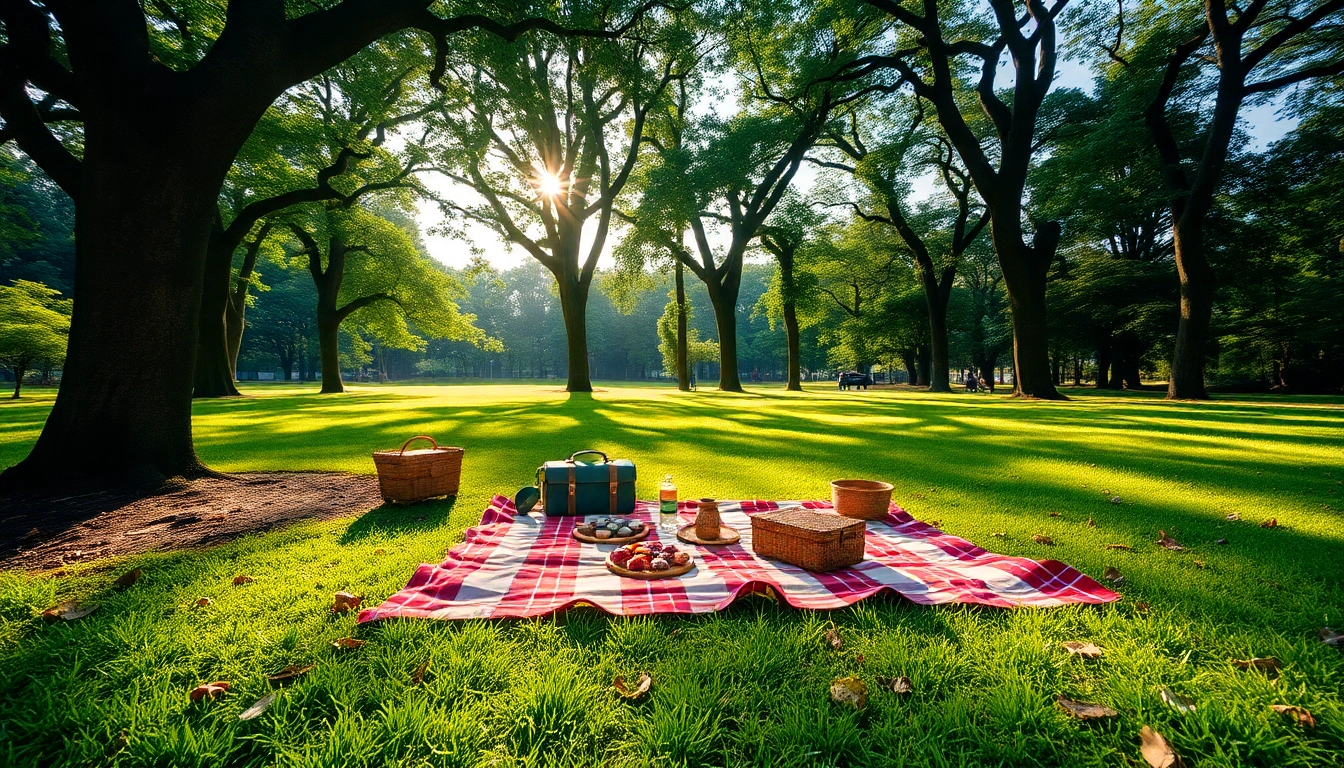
x=41 y=532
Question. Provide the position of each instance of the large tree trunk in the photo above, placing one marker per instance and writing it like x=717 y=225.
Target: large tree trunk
x=1192 y=332
x=328 y=344
x=1025 y=270
x=214 y=368
x=683 y=370
x=724 y=301
x=142 y=218
x=19 y=372
x=937 y=298
x=574 y=306
x=911 y=369
x=925 y=357
x=1103 y=363
x=791 y=337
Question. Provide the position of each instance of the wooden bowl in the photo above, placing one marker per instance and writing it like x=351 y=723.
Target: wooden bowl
x=670 y=573
x=644 y=534
x=862 y=499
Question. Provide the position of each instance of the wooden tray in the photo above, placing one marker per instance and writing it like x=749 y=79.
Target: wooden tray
x=727 y=536
x=670 y=573
x=642 y=535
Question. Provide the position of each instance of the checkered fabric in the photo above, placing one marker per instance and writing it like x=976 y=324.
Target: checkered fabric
x=517 y=566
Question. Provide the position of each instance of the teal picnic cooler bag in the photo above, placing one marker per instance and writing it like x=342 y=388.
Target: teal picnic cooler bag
x=597 y=487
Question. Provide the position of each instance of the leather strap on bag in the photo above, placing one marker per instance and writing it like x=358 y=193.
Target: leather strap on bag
x=611 y=483
x=572 y=488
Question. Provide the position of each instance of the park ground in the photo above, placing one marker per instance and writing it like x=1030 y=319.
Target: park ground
x=748 y=686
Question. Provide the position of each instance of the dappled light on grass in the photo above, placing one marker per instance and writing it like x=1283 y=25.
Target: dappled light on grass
x=751 y=683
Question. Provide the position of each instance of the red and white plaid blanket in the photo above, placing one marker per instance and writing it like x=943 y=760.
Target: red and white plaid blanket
x=513 y=566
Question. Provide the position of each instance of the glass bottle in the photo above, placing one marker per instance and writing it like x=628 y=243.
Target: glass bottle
x=667 y=505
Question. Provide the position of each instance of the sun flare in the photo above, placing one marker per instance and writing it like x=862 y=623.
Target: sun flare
x=549 y=184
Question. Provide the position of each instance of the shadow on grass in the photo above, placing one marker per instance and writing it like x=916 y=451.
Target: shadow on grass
x=400 y=520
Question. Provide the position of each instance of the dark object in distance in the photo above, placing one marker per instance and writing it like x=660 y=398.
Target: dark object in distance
x=854 y=379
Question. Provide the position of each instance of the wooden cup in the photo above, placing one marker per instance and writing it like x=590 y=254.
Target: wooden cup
x=707 y=519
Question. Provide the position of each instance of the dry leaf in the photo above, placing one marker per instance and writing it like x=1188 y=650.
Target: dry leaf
x=1168 y=542
x=1117 y=500
x=1113 y=575
x=347 y=643
x=1086 y=650
x=261 y=705
x=999 y=534
x=1267 y=664
x=1220 y=542
x=1083 y=710
x=850 y=691
x=289 y=674
x=1301 y=715
x=240 y=580
x=1176 y=701
x=832 y=637
x=1272 y=522
x=898 y=685
x=1141 y=607
x=1125 y=547
x=1054 y=514
x=127 y=579
x=1156 y=749
x=1200 y=564
x=642 y=686
x=1041 y=538
x=858 y=659
x=203 y=602
x=1091 y=523
x=380 y=551
x=209 y=690
x=1331 y=637
x=418 y=676
x=1233 y=516
x=118 y=744
x=345 y=602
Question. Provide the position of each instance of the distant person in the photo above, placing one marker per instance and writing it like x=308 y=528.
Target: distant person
x=840 y=381
x=692 y=379
x=972 y=383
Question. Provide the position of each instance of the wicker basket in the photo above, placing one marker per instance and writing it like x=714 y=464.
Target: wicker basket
x=809 y=540
x=864 y=499
x=420 y=474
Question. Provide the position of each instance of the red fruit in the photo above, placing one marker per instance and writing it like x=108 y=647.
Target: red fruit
x=681 y=558
x=621 y=556
x=638 y=563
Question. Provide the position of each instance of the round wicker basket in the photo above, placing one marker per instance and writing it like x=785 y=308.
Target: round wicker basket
x=862 y=499
x=420 y=474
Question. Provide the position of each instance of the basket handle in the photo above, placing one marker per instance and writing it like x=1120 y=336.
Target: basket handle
x=605 y=460
x=431 y=440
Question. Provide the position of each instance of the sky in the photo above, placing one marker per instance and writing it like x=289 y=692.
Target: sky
x=1262 y=123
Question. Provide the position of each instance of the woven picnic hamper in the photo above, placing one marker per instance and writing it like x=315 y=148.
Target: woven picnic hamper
x=864 y=499
x=420 y=474
x=809 y=540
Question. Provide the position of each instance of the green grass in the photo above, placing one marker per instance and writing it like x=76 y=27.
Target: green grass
x=747 y=686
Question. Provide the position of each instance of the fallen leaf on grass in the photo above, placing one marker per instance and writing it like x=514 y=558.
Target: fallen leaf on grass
x=261 y=705
x=1168 y=542
x=209 y=690
x=1084 y=710
x=1156 y=749
x=1331 y=637
x=345 y=601
x=999 y=534
x=1301 y=715
x=1272 y=522
x=127 y=579
x=240 y=580
x=289 y=674
x=1117 y=500
x=858 y=659
x=642 y=685
x=418 y=676
x=1041 y=538
x=203 y=602
x=1220 y=542
x=380 y=551
x=898 y=685
x=1176 y=701
x=1091 y=523
x=832 y=638
x=849 y=691
x=1233 y=516
x=1200 y=564
x=1267 y=664
x=347 y=643
x=67 y=611
x=1054 y=514
x=1141 y=607
x=1113 y=575
x=118 y=744
x=1086 y=650
x=1124 y=547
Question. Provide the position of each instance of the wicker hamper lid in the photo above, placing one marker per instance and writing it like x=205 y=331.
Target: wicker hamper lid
x=805 y=521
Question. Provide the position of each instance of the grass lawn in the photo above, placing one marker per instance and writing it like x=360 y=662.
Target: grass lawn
x=747 y=686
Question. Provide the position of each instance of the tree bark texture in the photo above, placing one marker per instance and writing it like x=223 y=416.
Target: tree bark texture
x=574 y=307
x=214 y=375
x=683 y=370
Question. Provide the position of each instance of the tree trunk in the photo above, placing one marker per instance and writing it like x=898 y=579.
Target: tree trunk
x=142 y=219
x=286 y=364
x=925 y=357
x=1025 y=269
x=19 y=372
x=1103 y=363
x=683 y=370
x=791 y=335
x=1192 y=332
x=214 y=368
x=937 y=300
x=725 y=318
x=911 y=370
x=574 y=306
x=328 y=344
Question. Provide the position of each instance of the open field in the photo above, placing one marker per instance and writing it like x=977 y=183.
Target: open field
x=747 y=686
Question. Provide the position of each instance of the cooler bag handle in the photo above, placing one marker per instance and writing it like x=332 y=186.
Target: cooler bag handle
x=605 y=460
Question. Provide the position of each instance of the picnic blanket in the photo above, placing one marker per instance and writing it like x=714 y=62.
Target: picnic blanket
x=518 y=566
